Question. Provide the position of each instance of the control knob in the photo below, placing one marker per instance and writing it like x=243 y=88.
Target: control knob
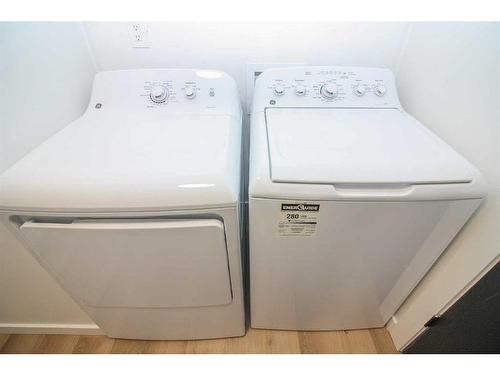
x=189 y=92
x=329 y=91
x=279 y=90
x=380 y=90
x=300 y=90
x=360 y=89
x=158 y=94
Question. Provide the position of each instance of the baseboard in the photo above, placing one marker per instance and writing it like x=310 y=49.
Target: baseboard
x=50 y=329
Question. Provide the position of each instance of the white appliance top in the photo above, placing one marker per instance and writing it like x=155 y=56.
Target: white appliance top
x=341 y=133
x=358 y=146
x=149 y=140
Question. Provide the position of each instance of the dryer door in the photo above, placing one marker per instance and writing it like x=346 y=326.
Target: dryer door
x=135 y=263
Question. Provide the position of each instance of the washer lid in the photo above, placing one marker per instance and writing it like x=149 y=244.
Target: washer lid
x=358 y=146
x=105 y=162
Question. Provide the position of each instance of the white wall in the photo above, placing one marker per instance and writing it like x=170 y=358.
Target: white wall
x=449 y=78
x=45 y=80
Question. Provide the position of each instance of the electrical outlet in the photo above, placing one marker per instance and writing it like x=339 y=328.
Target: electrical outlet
x=139 y=35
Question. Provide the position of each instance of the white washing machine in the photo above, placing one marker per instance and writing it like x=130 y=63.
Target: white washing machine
x=351 y=199
x=135 y=208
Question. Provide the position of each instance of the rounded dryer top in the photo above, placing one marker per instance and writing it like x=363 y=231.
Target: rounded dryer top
x=134 y=151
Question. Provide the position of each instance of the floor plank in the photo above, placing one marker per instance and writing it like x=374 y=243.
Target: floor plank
x=256 y=341
x=22 y=344
x=60 y=344
x=171 y=347
x=3 y=340
x=214 y=346
x=324 y=342
x=121 y=346
x=382 y=341
x=93 y=345
x=261 y=341
x=360 y=341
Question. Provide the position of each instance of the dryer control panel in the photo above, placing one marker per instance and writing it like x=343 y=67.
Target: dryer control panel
x=326 y=86
x=173 y=90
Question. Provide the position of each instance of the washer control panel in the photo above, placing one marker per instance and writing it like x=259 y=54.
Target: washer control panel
x=174 y=90
x=322 y=86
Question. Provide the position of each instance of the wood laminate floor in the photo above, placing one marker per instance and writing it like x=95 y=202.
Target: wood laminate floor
x=255 y=341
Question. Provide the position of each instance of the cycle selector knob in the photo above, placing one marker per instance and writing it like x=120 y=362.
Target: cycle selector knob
x=279 y=90
x=300 y=90
x=380 y=90
x=189 y=92
x=329 y=91
x=158 y=94
x=360 y=89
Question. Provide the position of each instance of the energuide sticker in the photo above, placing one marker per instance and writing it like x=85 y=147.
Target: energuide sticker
x=298 y=219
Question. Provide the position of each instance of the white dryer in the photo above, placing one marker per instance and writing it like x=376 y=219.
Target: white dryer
x=135 y=208
x=351 y=199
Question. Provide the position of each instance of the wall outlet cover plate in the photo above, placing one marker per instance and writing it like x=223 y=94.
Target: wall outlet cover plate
x=139 y=35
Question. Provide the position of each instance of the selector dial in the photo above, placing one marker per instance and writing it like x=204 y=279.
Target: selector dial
x=380 y=90
x=329 y=91
x=300 y=90
x=158 y=94
x=360 y=89
x=189 y=92
x=279 y=90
